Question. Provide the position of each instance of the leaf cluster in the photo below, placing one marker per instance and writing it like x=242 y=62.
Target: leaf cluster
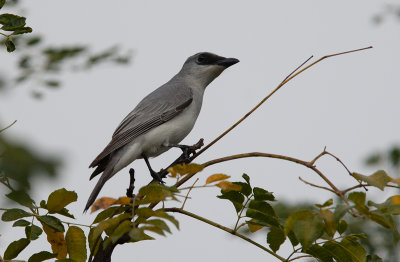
x=12 y=25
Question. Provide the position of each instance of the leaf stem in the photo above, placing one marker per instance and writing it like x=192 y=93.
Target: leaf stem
x=1 y=130
x=226 y=229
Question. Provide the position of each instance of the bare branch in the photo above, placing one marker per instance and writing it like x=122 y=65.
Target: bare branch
x=286 y=80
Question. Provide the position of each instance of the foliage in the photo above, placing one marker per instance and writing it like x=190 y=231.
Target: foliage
x=11 y=26
x=39 y=63
x=319 y=231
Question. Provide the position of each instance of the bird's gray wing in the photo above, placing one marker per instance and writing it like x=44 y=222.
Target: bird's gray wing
x=157 y=108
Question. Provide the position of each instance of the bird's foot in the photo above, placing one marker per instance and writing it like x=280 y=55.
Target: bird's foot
x=156 y=177
x=190 y=150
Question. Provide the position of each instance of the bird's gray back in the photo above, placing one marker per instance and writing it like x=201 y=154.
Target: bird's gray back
x=158 y=107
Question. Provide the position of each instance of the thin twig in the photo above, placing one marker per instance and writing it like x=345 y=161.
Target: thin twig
x=313 y=185
x=241 y=211
x=1 y=130
x=226 y=229
x=286 y=80
x=344 y=191
x=187 y=195
x=297 y=68
x=348 y=171
x=300 y=257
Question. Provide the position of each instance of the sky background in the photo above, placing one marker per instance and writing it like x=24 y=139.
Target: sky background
x=348 y=103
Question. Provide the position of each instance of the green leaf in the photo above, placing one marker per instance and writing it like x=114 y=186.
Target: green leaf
x=306 y=225
x=7 y=18
x=262 y=207
x=390 y=206
x=10 y=45
x=120 y=230
x=33 y=232
x=65 y=212
x=245 y=188
x=52 y=83
x=357 y=251
x=275 y=238
x=326 y=204
x=247 y=178
x=159 y=224
x=108 y=225
x=162 y=214
x=358 y=198
x=106 y=214
x=52 y=222
x=329 y=220
x=320 y=253
x=59 y=199
x=342 y=226
x=262 y=194
x=155 y=193
x=13 y=23
x=15 y=248
x=235 y=197
x=348 y=250
x=94 y=241
x=261 y=218
x=23 y=30
x=21 y=223
x=293 y=238
x=2 y=2
x=153 y=229
x=374 y=258
x=137 y=234
x=42 y=256
x=14 y=214
x=384 y=220
x=378 y=179
x=76 y=244
x=21 y=197
x=340 y=211
x=33 y=41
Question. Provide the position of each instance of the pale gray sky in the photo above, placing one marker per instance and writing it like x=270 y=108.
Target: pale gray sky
x=347 y=103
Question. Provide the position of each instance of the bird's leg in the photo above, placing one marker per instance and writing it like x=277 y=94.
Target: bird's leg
x=188 y=150
x=153 y=173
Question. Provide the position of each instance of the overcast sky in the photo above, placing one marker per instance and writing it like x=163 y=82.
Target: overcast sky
x=349 y=103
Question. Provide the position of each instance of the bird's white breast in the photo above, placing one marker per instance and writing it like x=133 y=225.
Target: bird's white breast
x=172 y=132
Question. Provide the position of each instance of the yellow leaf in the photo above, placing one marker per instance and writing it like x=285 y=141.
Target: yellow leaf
x=395 y=200
x=216 y=177
x=226 y=186
x=254 y=228
x=395 y=180
x=102 y=203
x=184 y=169
x=57 y=241
x=122 y=201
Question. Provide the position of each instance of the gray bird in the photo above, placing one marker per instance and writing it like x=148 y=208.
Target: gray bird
x=161 y=120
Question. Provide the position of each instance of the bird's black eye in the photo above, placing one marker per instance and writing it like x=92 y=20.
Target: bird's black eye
x=201 y=59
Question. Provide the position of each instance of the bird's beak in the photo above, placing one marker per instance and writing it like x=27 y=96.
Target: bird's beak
x=227 y=62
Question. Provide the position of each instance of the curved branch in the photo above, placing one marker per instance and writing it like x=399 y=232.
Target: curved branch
x=226 y=229
x=259 y=154
x=286 y=80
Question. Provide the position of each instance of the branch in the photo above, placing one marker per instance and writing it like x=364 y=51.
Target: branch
x=286 y=80
x=314 y=185
x=226 y=229
x=1 y=130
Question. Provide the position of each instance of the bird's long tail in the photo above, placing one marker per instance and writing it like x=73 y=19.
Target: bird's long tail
x=107 y=174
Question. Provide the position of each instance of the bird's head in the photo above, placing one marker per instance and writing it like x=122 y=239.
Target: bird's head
x=204 y=67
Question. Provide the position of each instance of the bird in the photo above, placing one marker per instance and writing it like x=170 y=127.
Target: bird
x=160 y=121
